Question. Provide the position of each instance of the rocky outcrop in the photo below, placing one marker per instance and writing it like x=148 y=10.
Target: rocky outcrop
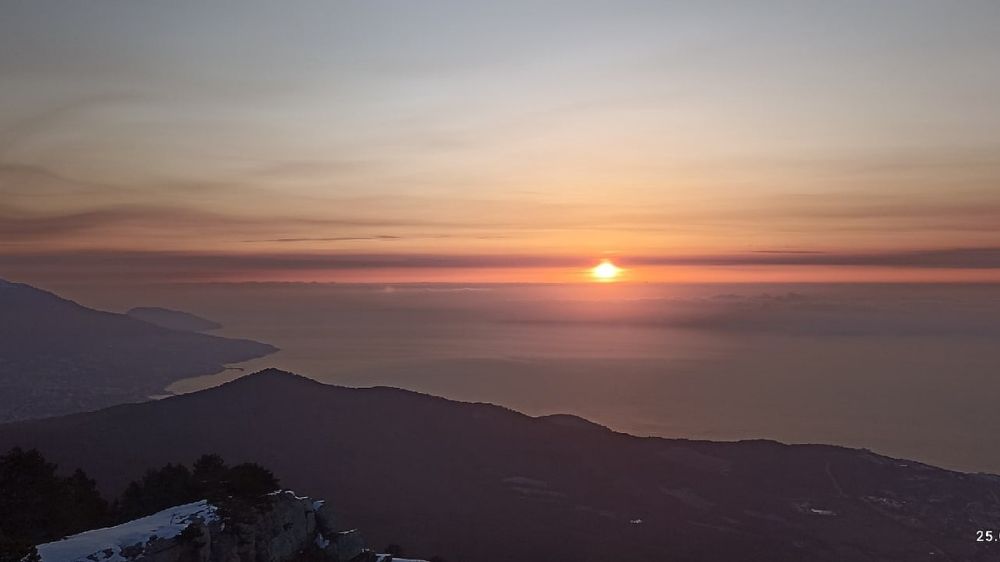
x=285 y=527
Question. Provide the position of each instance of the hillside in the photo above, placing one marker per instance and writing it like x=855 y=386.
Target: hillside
x=57 y=356
x=173 y=319
x=481 y=483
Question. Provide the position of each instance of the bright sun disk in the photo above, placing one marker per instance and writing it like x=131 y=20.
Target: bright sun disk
x=605 y=271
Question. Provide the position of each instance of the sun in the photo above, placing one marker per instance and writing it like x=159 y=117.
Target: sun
x=605 y=271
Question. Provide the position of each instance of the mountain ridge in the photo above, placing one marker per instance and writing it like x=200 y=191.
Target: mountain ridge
x=58 y=356
x=478 y=482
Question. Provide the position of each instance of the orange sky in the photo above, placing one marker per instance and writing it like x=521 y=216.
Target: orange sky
x=692 y=143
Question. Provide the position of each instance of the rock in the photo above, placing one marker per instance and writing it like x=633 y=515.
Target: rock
x=325 y=522
x=347 y=546
x=292 y=524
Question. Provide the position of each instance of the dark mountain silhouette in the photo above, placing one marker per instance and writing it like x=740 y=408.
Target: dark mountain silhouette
x=57 y=356
x=173 y=319
x=481 y=483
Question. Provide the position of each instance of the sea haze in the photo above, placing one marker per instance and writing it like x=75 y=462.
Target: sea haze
x=906 y=370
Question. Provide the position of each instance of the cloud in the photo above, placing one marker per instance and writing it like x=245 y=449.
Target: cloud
x=20 y=225
x=31 y=126
x=960 y=258
x=179 y=266
x=237 y=262
x=330 y=239
x=377 y=237
x=786 y=252
x=14 y=226
x=26 y=181
x=843 y=310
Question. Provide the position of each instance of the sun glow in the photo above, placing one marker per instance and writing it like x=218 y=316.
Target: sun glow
x=605 y=271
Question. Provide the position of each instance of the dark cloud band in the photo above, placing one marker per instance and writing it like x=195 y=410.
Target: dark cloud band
x=191 y=265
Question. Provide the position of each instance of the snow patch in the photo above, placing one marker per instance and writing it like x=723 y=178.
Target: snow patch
x=288 y=493
x=105 y=545
x=321 y=541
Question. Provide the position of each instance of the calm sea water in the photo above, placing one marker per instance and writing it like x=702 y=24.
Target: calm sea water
x=906 y=370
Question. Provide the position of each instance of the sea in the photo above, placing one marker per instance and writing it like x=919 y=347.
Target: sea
x=906 y=370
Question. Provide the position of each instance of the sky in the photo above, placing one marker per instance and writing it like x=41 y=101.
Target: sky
x=499 y=142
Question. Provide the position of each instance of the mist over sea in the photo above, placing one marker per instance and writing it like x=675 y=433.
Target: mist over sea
x=906 y=370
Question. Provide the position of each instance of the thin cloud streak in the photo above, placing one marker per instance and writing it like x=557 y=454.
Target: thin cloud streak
x=949 y=258
x=180 y=265
x=330 y=239
x=16 y=224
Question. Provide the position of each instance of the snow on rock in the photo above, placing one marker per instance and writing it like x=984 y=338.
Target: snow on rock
x=321 y=541
x=105 y=545
x=290 y=525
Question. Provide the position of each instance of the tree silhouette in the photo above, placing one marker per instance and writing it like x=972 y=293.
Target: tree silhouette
x=38 y=506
